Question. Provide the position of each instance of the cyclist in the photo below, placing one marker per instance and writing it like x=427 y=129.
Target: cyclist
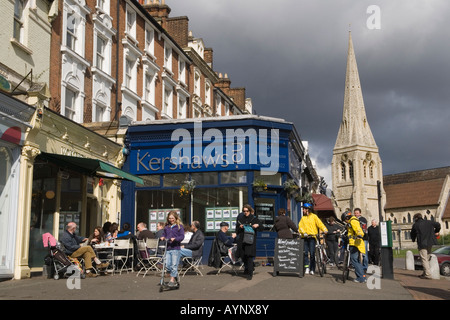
x=356 y=244
x=308 y=226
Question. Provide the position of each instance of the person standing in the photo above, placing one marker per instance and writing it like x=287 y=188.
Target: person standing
x=425 y=232
x=247 y=251
x=374 y=235
x=356 y=245
x=173 y=233
x=363 y=223
x=309 y=226
x=283 y=225
x=332 y=239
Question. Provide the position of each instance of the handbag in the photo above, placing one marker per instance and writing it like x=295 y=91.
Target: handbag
x=249 y=234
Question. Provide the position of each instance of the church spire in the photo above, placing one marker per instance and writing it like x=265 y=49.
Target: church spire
x=354 y=129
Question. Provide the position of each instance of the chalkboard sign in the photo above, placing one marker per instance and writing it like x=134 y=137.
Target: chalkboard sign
x=288 y=256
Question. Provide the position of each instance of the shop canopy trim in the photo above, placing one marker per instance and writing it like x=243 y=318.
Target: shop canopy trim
x=91 y=167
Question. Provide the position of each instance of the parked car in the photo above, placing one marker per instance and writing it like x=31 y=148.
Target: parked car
x=443 y=258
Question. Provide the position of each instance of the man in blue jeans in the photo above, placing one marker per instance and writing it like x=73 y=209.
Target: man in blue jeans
x=356 y=245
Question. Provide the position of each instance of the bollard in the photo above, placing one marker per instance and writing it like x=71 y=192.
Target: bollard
x=434 y=267
x=409 y=260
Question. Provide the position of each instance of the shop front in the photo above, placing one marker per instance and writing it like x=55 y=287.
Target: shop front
x=70 y=173
x=15 y=119
x=207 y=169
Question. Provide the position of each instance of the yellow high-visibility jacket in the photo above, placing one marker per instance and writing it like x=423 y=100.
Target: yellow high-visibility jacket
x=354 y=229
x=310 y=225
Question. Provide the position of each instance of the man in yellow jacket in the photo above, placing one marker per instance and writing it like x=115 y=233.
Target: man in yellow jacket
x=356 y=244
x=310 y=225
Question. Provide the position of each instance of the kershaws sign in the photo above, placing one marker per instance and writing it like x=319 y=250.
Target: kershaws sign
x=199 y=149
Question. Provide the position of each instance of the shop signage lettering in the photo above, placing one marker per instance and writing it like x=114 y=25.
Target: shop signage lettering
x=211 y=149
x=72 y=153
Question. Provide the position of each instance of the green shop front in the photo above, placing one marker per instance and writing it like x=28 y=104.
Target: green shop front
x=207 y=169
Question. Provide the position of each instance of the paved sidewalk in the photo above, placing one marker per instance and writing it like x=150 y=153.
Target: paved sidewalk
x=406 y=285
x=423 y=289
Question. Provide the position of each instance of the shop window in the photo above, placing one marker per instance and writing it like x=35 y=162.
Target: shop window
x=213 y=205
x=175 y=180
x=274 y=180
x=205 y=178
x=152 y=206
x=43 y=207
x=233 y=177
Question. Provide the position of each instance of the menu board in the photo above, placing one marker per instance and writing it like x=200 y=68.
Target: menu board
x=288 y=256
x=160 y=215
x=214 y=216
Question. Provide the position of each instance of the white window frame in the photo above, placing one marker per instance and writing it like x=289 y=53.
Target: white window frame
x=150 y=41
x=182 y=107
x=19 y=20
x=208 y=88
x=70 y=112
x=101 y=57
x=167 y=57
x=197 y=83
x=130 y=26
x=182 y=72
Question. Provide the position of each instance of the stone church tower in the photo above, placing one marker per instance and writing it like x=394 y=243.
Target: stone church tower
x=356 y=165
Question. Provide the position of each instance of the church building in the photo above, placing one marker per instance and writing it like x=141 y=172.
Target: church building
x=356 y=164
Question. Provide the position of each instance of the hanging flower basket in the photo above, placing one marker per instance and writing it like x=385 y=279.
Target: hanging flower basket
x=305 y=198
x=259 y=186
x=290 y=187
x=187 y=188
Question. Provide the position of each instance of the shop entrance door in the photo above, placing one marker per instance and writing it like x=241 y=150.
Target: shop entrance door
x=266 y=207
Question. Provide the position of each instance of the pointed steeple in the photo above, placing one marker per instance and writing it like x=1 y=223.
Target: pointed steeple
x=354 y=129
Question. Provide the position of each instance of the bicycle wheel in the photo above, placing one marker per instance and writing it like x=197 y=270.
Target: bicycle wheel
x=345 y=269
x=319 y=261
x=324 y=260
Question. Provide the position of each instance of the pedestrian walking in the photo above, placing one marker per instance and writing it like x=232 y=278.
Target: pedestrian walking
x=425 y=232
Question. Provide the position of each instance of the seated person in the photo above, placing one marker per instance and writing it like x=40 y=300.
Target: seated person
x=126 y=232
x=228 y=241
x=73 y=249
x=222 y=235
x=194 y=247
x=112 y=233
x=143 y=232
x=96 y=237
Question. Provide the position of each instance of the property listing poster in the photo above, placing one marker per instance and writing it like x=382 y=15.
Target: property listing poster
x=160 y=215
x=214 y=216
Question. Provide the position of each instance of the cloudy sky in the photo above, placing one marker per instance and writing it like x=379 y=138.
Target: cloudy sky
x=290 y=55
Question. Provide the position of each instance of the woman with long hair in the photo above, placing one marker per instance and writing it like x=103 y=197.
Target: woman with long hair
x=173 y=233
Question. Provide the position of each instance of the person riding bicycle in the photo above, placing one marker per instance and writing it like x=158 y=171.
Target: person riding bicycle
x=309 y=227
x=356 y=244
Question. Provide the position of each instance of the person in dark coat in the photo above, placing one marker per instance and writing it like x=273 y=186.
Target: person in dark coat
x=283 y=225
x=247 y=252
x=425 y=232
x=374 y=236
x=193 y=248
x=331 y=239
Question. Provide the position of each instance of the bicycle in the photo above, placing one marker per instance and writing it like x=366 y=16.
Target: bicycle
x=344 y=253
x=321 y=254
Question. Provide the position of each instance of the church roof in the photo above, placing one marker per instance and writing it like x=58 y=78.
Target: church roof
x=416 y=188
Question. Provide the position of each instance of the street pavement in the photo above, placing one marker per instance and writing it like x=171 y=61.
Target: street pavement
x=406 y=285
x=224 y=295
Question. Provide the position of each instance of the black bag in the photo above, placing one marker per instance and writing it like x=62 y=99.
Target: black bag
x=249 y=234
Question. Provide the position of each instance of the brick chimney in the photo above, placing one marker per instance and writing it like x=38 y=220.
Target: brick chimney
x=157 y=9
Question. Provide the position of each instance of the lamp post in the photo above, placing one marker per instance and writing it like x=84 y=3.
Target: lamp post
x=387 y=260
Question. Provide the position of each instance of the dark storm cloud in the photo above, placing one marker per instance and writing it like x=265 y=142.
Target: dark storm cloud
x=290 y=55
